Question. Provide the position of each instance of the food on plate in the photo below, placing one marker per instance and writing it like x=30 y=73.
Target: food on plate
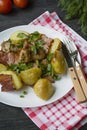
x=5 y=6
x=56 y=45
x=31 y=59
x=44 y=89
x=30 y=76
x=18 y=36
x=3 y=67
x=6 y=82
x=16 y=80
x=58 y=62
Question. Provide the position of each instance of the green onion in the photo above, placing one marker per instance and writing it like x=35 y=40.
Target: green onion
x=34 y=49
x=34 y=36
x=21 y=96
x=19 y=67
x=20 y=44
x=37 y=62
x=22 y=35
x=49 y=56
x=24 y=92
x=56 y=77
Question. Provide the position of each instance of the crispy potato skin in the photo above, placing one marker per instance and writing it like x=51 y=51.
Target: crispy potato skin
x=58 y=62
x=44 y=89
x=14 y=37
x=17 y=83
x=30 y=76
x=3 y=67
x=56 y=45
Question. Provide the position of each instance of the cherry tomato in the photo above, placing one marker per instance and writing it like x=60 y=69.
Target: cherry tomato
x=21 y=3
x=5 y=6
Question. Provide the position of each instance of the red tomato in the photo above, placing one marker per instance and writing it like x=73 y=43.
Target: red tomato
x=5 y=6
x=21 y=3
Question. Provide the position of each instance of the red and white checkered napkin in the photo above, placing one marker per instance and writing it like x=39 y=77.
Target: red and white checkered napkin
x=66 y=113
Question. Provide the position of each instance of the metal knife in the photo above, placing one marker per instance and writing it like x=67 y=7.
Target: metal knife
x=77 y=86
x=81 y=76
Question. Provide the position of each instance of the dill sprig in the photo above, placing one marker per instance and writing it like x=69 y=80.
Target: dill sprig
x=76 y=9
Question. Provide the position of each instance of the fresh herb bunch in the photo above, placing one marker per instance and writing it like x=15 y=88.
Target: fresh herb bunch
x=76 y=9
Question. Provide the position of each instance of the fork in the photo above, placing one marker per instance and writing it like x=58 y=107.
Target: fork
x=74 y=53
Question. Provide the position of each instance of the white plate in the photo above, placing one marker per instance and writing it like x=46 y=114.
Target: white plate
x=62 y=86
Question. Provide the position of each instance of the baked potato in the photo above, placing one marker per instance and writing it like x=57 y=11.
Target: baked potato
x=19 y=36
x=44 y=89
x=17 y=83
x=3 y=67
x=30 y=76
x=56 y=45
x=58 y=62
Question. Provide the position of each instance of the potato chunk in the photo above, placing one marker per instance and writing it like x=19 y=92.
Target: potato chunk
x=44 y=89
x=58 y=62
x=17 y=84
x=19 y=36
x=30 y=76
x=3 y=67
x=56 y=45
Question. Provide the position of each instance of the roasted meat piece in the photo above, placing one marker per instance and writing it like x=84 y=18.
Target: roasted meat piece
x=47 y=43
x=3 y=58
x=46 y=39
x=7 y=58
x=6 y=82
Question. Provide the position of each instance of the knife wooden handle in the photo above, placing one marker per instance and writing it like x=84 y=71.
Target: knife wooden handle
x=82 y=79
x=77 y=86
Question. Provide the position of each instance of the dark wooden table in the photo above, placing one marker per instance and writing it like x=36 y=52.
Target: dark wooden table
x=12 y=118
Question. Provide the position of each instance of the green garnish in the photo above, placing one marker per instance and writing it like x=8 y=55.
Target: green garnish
x=50 y=70
x=22 y=35
x=21 y=96
x=19 y=67
x=20 y=44
x=34 y=36
x=56 y=77
x=49 y=56
x=24 y=92
x=37 y=62
x=37 y=45
x=34 y=49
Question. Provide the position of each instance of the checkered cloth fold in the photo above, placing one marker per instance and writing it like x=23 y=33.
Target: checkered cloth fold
x=66 y=113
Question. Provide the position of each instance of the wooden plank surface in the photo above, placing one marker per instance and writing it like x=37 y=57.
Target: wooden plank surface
x=12 y=118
